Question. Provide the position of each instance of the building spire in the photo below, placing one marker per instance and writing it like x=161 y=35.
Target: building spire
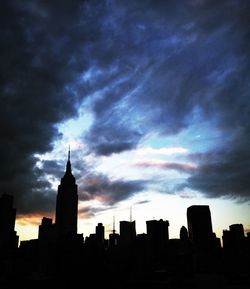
x=68 y=167
x=113 y=225
x=69 y=154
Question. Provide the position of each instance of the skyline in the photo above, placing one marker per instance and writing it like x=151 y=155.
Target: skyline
x=60 y=254
x=153 y=99
x=109 y=227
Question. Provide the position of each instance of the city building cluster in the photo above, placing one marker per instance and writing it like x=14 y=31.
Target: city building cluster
x=60 y=253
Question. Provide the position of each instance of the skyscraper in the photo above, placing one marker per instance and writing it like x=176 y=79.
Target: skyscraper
x=8 y=236
x=234 y=239
x=158 y=237
x=127 y=233
x=67 y=204
x=158 y=230
x=199 y=224
x=205 y=245
x=99 y=230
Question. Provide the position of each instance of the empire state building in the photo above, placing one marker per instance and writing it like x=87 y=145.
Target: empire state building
x=67 y=204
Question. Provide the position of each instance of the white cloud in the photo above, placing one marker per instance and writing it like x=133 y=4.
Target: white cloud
x=161 y=151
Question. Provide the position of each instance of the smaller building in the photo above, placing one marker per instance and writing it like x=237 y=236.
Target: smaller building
x=158 y=237
x=127 y=233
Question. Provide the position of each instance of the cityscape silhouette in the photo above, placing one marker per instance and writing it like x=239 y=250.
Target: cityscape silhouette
x=197 y=259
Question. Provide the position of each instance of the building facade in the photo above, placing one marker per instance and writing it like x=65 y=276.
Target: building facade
x=67 y=204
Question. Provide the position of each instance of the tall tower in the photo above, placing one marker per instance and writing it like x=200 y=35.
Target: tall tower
x=199 y=224
x=157 y=232
x=67 y=204
x=158 y=237
x=99 y=231
x=127 y=233
x=8 y=236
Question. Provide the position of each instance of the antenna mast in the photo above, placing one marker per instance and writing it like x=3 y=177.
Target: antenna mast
x=113 y=224
x=69 y=154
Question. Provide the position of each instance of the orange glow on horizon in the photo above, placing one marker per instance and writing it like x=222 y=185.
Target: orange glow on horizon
x=31 y=219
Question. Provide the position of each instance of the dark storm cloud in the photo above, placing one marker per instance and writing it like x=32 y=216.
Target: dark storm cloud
x=180 y=167
x=171 y=59
x=57 y=168
x=109 y=192
x=39 y=61
x=224 y=172
x=145 y=66
x=90 y=211
x=109 y=137
x=174 y=60
x=53 y=168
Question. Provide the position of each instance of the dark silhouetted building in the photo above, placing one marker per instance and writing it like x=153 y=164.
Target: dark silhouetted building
x=68 y=242
x=157 y=232
x=46 y=230
x=183 y=233
x=235 y=248
x=8 y=236
x=205 y=244
x=28 y=253
x=199 y=224
x=234 y=239
x=99 y=231
x=238 y=231
x=46 y=247
x=67 y=204
x=113 y=239
x=127 y=233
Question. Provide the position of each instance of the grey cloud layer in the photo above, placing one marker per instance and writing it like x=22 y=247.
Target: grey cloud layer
x=224 y=172
x=151 y=64
x=108 y=191
x=38 y=51
x=178 y=59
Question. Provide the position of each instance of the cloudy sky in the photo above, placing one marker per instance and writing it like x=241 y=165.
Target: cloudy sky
x=152 y=96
